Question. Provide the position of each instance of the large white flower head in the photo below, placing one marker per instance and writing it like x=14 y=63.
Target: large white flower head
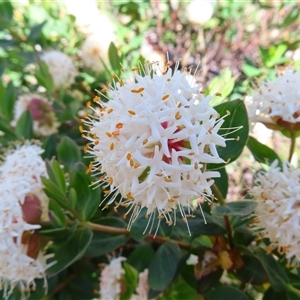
x=25 y=166
x=95 y=51
x=151 y=142
x=277 y=193
x=111 y=279
x=22 y=203
x=40 y=108
x=61 y=68
x=277 y=102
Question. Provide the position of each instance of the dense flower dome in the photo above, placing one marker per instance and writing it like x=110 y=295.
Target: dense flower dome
x=40 y=108
x=60 y=67
x=23 y=204
x=151 y=142
x=277 y=213
x=277 y=101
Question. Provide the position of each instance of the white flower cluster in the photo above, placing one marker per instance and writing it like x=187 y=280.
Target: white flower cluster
x=110 y=279
x=20 y=191
x=151 y=142
x=60 y=67
x=277 y=193
x=277 y=101
x=44 y=119
x=142 y=289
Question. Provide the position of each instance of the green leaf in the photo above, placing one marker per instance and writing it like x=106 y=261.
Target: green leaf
x=59 y=214
x=291 y=18
x=60 y=176
x=24 y=126
x=7 y=131
x=72 y=198
x=236 y=208
x=68 y=152
x=222 y=182
x=113 y=56
x=36 y=31
x=163 y=266
x=131 y=281
x=105 y=242
x=261 y=152
x=141 y=257
x=227 y=292
x=6 y=14
x=271 y=294
x=252 y=71
x=276 y=273
x=88 y=198
x=202 y=241
x=73 y=249
x=238 y=117
x=252 y=271
x=43 y=76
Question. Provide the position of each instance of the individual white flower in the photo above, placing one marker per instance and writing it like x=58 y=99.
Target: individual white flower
x=61 y=68
x=95 y=52
x=151 y=143
x=110 y=279
x=277 y=103
x=25 y=167
x=199 y=12
x=142 y=289
x=277 y=193
x=43 y=116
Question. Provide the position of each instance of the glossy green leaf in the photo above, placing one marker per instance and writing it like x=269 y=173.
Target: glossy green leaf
x=24 y=128
x=252 y=271
x=68 y=152
x=59 y=175
x=227 y=292
x=55 y=209
x=105 y=242
x=88 y=198
x=236 y=208
x=238 y=118
x=271 y=294
x=202 y=241
x=141 y=257
x=6 y=130
x=163 y=266
x=73 y=249
x=276 y=273
x=72 y=198
x=6 y=14
x=43 y=76
x=261 y=152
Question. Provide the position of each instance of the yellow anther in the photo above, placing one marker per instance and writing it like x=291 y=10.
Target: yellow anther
x=131 y=162
x=165 y=97
x=171 y=200
x=112 y=146
x=128 y=156
x=160 y=217
x=141 y=89
x=104 y=90
x=131 y=112
x=96 y=99
x=89 y=169
x=196 y=165
x=145 y=141
x=168 y=179
x=111 y=181
x=114 y=76
x=96 y=142
x=136 y=69
x=119 y=125
x=108 y=134
x=177 y=115
x=80 y=129
x=129 y=196
x=121 y=82
x=86 y=147
x=218 y=94
x=110 y=111
x=88 y=104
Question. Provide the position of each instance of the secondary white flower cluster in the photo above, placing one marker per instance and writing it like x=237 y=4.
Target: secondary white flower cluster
x=142 y=288
x=152 y=141
x=61 y=68
x=22 y=205
x=110 y=279
x=277 y=193
x=199 y=12
x=44 y=120
x=277 y=101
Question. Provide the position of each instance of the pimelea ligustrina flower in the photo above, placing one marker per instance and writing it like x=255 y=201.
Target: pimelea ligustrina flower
x=44 y=120
x=277 y=103
x=277 y=193
x=23 y=205
x=151 y=140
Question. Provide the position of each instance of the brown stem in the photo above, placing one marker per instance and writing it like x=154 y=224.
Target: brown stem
x=218 y=194
x=83 y=88
x=161 y=240
x=63 y=284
